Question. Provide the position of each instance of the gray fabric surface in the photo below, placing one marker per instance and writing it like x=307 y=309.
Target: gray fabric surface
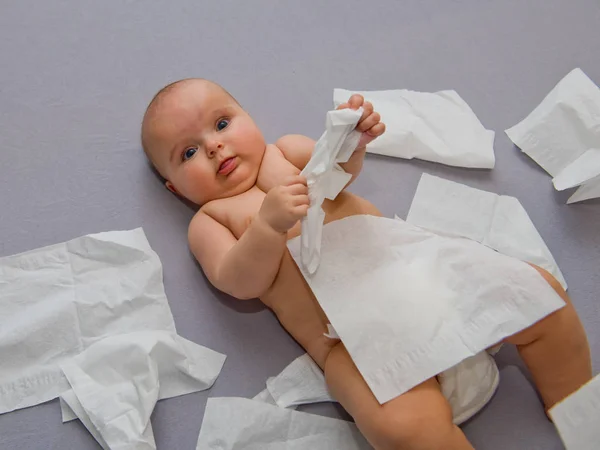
x=76 y=76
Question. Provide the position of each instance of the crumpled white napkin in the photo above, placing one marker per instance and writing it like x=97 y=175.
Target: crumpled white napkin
x=497 y=221
x=326 y=179
x=301 y=382
x=562 y=135
x=438 y=127
x=117 y=381
x=59 y=300
x=577 y=417
x=232 y=423
x=433 y=301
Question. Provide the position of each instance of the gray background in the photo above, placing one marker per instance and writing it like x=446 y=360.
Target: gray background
x=75 y=77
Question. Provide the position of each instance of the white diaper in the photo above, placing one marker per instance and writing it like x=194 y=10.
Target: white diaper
x=470 y=385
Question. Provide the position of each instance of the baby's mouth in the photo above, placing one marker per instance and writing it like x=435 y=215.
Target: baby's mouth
x=227 y=166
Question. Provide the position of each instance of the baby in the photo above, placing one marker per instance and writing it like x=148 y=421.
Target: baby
x=252 y=197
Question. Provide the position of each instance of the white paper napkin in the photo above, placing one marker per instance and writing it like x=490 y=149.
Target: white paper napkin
x=232 y=423
x=497 y=221
x=577 y=417
x=326 y=179
x=57 y=301
x=409 y=304
x=117 y=381
x=301 y=382
x=562 y=135
x=438 y=127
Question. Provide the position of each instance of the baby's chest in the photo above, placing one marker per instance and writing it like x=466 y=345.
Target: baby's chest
x=274 y=171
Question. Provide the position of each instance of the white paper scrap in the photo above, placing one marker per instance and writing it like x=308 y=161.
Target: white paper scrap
x=232 y=423
x=497 y=221
x=117 y=381
x=438 y=127
x=562 y=135
x=301 y=382
x=577 y=417
x=326 y=179
x=433 y=301
x=57 y=301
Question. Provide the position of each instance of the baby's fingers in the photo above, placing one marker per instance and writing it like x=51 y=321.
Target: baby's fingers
x=377 y=130
x=372 y=120
x=296 y=179
x=300 y=200
x=367 y=111
x=301 y=211
x=297 y=189
x=356 y=101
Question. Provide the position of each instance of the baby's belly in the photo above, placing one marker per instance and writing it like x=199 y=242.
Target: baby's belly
x=292 y=300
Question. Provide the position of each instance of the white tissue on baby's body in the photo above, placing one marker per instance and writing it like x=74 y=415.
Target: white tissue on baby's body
x=57 y=301
x=497 y=221
x=326 y=178
x=409 y=304
x=232 y=423
x=562 y=135
x=117 y=381
x=577 y=417
x=438 y=127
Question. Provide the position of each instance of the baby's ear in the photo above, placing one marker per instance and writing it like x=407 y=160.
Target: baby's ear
x=172 y=188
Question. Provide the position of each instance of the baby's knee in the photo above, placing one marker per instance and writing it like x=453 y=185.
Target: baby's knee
x=413 y=430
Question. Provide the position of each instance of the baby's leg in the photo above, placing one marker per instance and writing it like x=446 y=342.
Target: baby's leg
x=420 y=419
x=556 y=350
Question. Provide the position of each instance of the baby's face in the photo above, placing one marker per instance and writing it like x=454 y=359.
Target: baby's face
x=204 y=143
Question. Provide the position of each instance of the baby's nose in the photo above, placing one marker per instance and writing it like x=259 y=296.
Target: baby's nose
x=213 y=147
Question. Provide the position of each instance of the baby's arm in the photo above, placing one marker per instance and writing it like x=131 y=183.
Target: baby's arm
x=298 y=149
x=246 y=268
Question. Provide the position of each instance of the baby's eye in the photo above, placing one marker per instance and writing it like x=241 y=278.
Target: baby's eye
x=222 y=124
x=187 y=154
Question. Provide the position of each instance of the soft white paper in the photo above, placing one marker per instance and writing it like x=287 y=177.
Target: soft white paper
x=409 y=304
x=301 y=382
x=563 y=129
x=584 y=171
x=497 y=221
x=326 y=179
x=577 y=417
x=117 y=381
x=198 y=371
x=438 y=127
x=232 y=423
x=57 y=301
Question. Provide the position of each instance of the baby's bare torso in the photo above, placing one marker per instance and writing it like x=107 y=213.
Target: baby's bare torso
x=289 y=296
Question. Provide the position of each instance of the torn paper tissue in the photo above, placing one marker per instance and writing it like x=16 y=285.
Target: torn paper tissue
x=196 y=367
x=563 y=135
x=577 y=417
x=409 y=304
x=326 y=179
x=301 y=382
x=117 y=381
x=438 y=127
x=232 y=423
x=57 y=301
x=497 y=221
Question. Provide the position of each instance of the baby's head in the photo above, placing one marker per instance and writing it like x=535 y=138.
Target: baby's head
x=201 y=141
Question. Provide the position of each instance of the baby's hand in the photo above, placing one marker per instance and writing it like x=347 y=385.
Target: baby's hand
x=284 y=205
x=370 y=122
